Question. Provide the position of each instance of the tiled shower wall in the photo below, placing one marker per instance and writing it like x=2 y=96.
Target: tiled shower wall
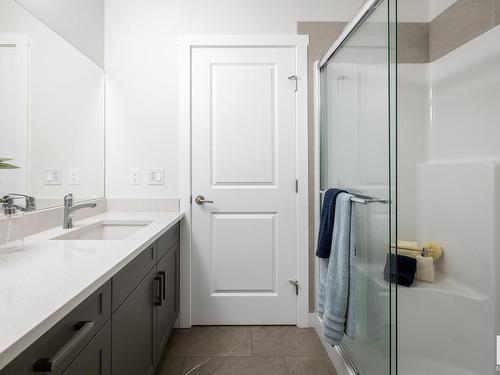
x=460 y=23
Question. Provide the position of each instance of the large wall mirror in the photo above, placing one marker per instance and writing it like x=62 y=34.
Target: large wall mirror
x=51 y=108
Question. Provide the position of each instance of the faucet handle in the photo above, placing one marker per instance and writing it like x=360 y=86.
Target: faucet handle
x=68 y=200
x=10 y=208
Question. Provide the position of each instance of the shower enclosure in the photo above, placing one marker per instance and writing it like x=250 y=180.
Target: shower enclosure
x=409 y=120
x=357 y=153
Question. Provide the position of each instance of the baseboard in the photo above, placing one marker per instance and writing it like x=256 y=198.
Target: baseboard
x=333 y=353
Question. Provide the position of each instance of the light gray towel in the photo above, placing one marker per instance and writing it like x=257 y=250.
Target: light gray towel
x=337 y=289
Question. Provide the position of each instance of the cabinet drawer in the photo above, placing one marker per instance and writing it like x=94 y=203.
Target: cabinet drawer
x=125 y=281
x=55 y=350
x=166 y=241
x=95 y=359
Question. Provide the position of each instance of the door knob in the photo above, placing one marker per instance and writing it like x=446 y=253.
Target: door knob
x=200 y=199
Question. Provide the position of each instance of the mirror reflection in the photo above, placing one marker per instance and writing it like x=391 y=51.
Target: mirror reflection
x=51 y=113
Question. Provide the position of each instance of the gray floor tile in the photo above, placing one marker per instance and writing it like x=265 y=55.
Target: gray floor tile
x=286 y=341
x=235 y=366
x=170 y=365
x=310 y=366
x=210 y=342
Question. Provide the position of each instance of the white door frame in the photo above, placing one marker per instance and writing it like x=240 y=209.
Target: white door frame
x=185 y=45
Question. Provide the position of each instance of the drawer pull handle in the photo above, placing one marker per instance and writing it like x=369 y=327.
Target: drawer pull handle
x=164 y=277
x=50 y=364
x=159 y=292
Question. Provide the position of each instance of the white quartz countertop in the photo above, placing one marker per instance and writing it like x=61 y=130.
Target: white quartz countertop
x=47 y=279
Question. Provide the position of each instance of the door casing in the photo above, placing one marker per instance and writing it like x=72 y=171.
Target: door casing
x=185 y=46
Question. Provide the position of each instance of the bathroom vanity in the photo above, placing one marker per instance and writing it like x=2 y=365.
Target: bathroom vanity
x=92 y=306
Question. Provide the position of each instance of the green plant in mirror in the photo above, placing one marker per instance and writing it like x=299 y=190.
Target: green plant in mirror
x=4 y=165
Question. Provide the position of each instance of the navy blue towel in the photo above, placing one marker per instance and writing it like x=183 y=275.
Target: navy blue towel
x=326 y=224
x=400 y=269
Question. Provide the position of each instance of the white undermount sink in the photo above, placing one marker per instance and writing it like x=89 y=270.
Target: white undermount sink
x=105 y=230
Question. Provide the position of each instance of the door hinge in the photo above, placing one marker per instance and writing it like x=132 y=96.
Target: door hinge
x=190 y=199
x=295 y=283
x=296 y=81
x=296 y=186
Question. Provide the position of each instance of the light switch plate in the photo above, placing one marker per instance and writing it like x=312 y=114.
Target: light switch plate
x=74 y=176
x=135 y=176
x=52 y=176
x=156 y=176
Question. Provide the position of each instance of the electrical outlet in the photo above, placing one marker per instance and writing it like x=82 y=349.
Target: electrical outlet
x=156 y=176
x=53 y=177
x=135 y=176
x=74 y=176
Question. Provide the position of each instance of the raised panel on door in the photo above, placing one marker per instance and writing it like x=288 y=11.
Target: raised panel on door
x=244 y=160
x=95 y=359
x=242 y=94
x=166 y=313
x=249 y=267
x=134 y=331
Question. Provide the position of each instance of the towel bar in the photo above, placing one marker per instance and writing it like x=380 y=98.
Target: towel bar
x=364 y=199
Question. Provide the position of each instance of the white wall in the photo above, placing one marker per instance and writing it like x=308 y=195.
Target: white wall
x=465 y=101
x=413 y=141
x=141 y=63
x=80 y=22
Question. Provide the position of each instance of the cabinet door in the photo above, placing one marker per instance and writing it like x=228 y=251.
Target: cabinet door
x=134 y=330
x=95 y=359
x=167 y=312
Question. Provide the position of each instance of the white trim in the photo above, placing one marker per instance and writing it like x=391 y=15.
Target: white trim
x=303 y=192
x=185 y=45
x=186 y=302
x=317 y=163
x=333 y=353
x=243 y=40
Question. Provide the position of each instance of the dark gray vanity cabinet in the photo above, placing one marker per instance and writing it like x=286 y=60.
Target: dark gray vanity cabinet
x=167 y=309
x=60 y=345
x=143 y=320
x=134 y=330
x=122 y=328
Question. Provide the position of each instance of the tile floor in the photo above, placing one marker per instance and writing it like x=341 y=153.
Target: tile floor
x=227 y=350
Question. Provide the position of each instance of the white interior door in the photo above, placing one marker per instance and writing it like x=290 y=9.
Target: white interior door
x=14 y=115
x=244 y=160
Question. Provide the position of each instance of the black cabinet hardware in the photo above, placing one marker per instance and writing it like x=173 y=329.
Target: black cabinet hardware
x=82 y=329
x=159 y=290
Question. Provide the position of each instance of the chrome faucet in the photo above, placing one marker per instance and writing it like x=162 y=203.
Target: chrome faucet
x=10 y=208
x=69 y=208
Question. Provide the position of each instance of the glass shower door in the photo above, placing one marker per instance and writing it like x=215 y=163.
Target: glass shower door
x=357 y=154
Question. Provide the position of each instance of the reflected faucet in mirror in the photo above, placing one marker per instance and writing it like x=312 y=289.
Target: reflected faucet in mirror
x=69 y=209
x=10 y=207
